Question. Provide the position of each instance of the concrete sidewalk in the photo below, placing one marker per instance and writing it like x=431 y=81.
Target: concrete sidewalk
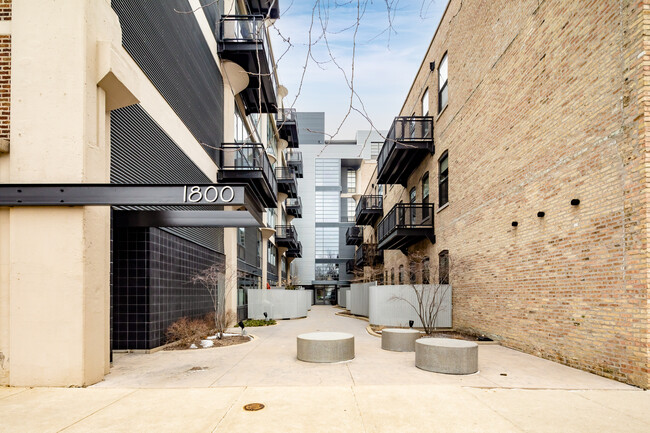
x=378 y=391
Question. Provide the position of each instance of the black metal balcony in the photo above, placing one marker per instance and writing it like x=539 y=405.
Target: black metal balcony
x=409 y=140
x=295 y=252
x=354 y=236
x=270 y=8
x=405 y=225
x=248 y=163
x=286 y=236
x=243 y=39
x=287 y=182
x=369 y=209
x=285 y=119
x=294 y=207
x=294 y=160
x=349 y=266
x=368 y=255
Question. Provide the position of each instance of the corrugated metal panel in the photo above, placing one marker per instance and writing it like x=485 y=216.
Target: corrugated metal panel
x=141 y=152
x=170 y=49
x=213 y=11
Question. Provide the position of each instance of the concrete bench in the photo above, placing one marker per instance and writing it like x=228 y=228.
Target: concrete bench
x=446 y=355
x=325 y=347
x=399 y=340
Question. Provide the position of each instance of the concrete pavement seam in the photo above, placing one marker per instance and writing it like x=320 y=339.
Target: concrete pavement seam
x=611 y=408
x=516 y=426
x=15 y=393
x=235 y=400
x=356 y=403
x=98 y=410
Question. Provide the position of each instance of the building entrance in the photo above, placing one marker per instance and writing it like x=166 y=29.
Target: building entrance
x=325 y=295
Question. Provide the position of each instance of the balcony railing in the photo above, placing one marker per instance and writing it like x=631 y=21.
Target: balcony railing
x=287 y=124
x=409 y=140
x=248 y=163
x=243 y=39
x=368 y=255
x=287 y=182
x=286 y=236
x=294 y=207
x=295 y=252
x=270 y=8
x=294 y=160
x=354 y=236
x=349 y=266
x=369 y=209
x=405 y=225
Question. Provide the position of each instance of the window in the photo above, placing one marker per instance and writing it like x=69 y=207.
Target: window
x=328 y=172
x=392 y=275
x=425 y=196
x=352 y=180
x=241 y=134
x=327 y=242
x=426 y=273
x=443 y=268
x=425 y=103
x=386 y=277
x=413 y=272
x=271 y=252
x=443 y=93
x=328 y=205
x=412 y=210
x=443 y=180
x=326 y=271
x=400 y=275
x=259 y=248
x=351 y=211
x=270 y=218
x=241 y=243
x=380 y=189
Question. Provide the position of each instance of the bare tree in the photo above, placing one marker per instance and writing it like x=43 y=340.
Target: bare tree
x=213 y=279
x=428 y=297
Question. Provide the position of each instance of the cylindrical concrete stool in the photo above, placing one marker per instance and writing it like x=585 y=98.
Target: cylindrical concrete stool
x=325 y=347
x=399 y=340
x=446 y=355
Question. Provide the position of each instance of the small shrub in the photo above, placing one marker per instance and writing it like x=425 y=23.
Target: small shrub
x=251 y=323
x=187 y=330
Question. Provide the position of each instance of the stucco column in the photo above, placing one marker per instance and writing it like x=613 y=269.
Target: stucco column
x=230 y=250
x=266 y=235
x=59 y=257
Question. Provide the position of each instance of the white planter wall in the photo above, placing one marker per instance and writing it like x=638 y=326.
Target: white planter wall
x=309 y=295
x=387 y=311
x=357 y=302
x=344 y=297
x=278 y=303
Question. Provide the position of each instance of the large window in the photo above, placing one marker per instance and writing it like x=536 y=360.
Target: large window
x=443 y=180
x=351 y=211
x=326 y=271
x=392 y=275
x=327 y=242
x=443 y=92
x=375 y=148
x=425 y=195
x=426 y=273
x=270 y=217
x=425 y=103
x=400 y=275
x=241 y=243
x=328 y=172
x=327 y=206
x=272 y=253
x=443 y=267
x=352 y=180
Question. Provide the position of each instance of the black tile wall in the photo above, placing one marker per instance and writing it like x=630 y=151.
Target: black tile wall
x=152 y=285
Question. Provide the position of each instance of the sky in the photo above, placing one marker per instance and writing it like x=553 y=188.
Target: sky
x=386 y=60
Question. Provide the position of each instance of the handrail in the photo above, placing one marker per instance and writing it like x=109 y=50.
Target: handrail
x=286 y=232
x=405 y=216
x=247 y=156
x=406 y=130
x=372 y=202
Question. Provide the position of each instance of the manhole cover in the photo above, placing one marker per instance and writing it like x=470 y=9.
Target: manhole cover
x=251 y=407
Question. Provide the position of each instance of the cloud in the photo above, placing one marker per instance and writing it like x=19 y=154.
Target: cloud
x=386 y=60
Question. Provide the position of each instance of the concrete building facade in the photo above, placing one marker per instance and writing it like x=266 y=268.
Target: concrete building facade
x=519 y=163
x=174 y=94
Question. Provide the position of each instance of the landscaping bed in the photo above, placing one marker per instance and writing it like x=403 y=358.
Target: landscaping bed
x=440 y=334
x=199 y=333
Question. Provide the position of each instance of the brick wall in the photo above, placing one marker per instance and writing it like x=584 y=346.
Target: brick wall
x=545 y=105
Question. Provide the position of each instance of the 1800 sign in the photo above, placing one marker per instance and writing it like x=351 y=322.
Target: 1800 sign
x=208 y=194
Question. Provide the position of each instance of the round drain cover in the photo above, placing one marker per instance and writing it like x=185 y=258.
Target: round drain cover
x=251 y=407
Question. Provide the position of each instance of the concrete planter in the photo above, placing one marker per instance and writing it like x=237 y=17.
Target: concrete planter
x=385 y=310
x=278 y=303
x=358 y=300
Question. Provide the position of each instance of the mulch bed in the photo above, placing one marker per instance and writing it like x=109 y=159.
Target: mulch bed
x=225 y=341
x=441 y=334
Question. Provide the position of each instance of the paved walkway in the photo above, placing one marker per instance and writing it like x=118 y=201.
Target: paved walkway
x=378 y=391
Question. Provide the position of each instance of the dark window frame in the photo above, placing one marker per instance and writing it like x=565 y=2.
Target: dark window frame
x=443 y=87
x=443 y=267
x=443 y=180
